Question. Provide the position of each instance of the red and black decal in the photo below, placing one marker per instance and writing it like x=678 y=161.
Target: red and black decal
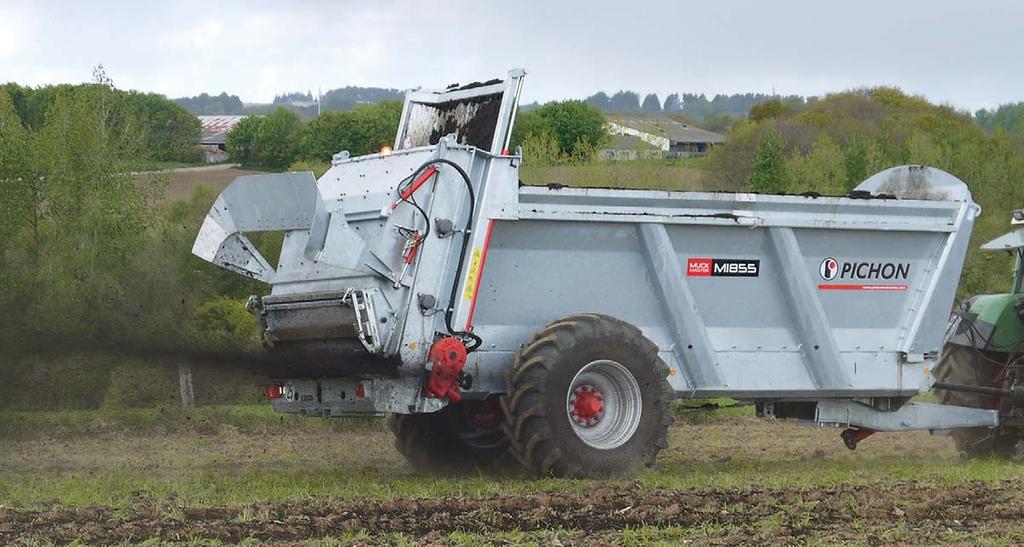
x=723 y=267
x=832 y=269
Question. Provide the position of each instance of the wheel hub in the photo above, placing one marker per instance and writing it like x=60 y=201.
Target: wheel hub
x=604 y=404
x=587 y=405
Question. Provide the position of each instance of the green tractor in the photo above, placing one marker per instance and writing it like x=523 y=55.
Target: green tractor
x=983 y=362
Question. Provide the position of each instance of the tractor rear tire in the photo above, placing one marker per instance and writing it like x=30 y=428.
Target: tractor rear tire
x=588 y=398
x=461 y=436
x=971 y=366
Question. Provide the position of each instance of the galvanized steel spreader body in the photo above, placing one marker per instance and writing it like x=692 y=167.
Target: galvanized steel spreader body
x=408 y=280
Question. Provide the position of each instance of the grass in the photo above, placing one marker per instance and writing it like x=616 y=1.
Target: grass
x=155 y=165
x=163 y=420
x=248 y=459
x=680 y=174
x=226 y=455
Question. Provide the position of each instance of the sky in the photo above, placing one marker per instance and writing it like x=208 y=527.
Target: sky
x=968 y=54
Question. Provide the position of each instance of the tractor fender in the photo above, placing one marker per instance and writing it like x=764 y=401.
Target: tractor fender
x=991 y=322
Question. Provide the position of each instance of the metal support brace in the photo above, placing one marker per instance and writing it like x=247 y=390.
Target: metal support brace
x=911 y=416
x=690 y=335
x=819 y=348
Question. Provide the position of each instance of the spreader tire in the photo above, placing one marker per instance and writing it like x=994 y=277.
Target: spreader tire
x=588 y=397
x=448 y=440
x=970 y=366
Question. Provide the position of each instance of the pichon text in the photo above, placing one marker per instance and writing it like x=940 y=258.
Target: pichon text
x=874 y=270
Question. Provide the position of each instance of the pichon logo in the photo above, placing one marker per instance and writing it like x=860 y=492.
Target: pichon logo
x=722 y=267
x=831 y=268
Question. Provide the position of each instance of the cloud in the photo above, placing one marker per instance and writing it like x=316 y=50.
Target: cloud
x=962 y=53
x=13 y=32
x=201 y=36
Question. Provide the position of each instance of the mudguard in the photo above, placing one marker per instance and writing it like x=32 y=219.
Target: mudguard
x=989 y=322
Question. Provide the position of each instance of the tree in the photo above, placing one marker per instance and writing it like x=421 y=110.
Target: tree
x=822 y=170
x=769 y=173
x=349 y=97
x=541 y=149
x=272 y=141
x=278 y=139
x=89 y=222
x=773 y=108
x=170 y=131
x=624 y=102
x=364 y=130
x=212 y=105
x=672 y=104
x=242 y=141
x=15 y=181
x=529 y=123
x=573 y=121
x=599 y=101
x=651 y=104
x=719 y=123
x=166 y=130
x=1008 y=117
x=855 y=161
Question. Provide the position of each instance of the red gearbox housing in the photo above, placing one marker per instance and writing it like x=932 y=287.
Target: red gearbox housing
x=448 y=358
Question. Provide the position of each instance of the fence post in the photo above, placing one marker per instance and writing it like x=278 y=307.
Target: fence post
x=188 y=395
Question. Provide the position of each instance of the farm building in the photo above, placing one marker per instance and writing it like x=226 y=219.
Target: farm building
x=634 y=137
x=214 y=136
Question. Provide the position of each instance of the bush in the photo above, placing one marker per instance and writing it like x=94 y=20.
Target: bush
x=573 y=122
x=576 y=127
x=223 y=322
x=363 y=130
x=769 y=174
x=272 y=141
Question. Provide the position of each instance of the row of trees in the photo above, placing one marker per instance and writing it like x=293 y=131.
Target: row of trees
x=556 y=133
x=279 y=139
x=1008 y=118
x=91 y=254
x=93 y=258
x=159 y=128
x=832 y=145
x=628 y=102
x=341 y=99
x=213 y=105
x=694 y=106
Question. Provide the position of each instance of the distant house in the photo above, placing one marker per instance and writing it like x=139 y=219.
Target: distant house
x=671 y=138
x=214 y=136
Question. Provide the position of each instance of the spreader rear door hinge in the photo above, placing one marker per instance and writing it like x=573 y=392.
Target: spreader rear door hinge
x=366 y=319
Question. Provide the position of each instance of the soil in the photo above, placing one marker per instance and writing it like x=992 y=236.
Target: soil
x=842 y=514
x=726 y=478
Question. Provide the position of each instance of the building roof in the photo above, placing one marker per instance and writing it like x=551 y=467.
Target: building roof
x=215 y=128
x=628 y=142
x=674 y=131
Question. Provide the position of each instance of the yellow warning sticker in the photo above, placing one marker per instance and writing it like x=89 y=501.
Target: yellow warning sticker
x=474 y=273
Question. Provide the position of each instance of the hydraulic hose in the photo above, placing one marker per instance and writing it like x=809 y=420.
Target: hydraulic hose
x=450 y=310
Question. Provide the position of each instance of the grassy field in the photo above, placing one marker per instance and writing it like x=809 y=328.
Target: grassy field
x=661 y=174
x=158 y=165
x=228 y=474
